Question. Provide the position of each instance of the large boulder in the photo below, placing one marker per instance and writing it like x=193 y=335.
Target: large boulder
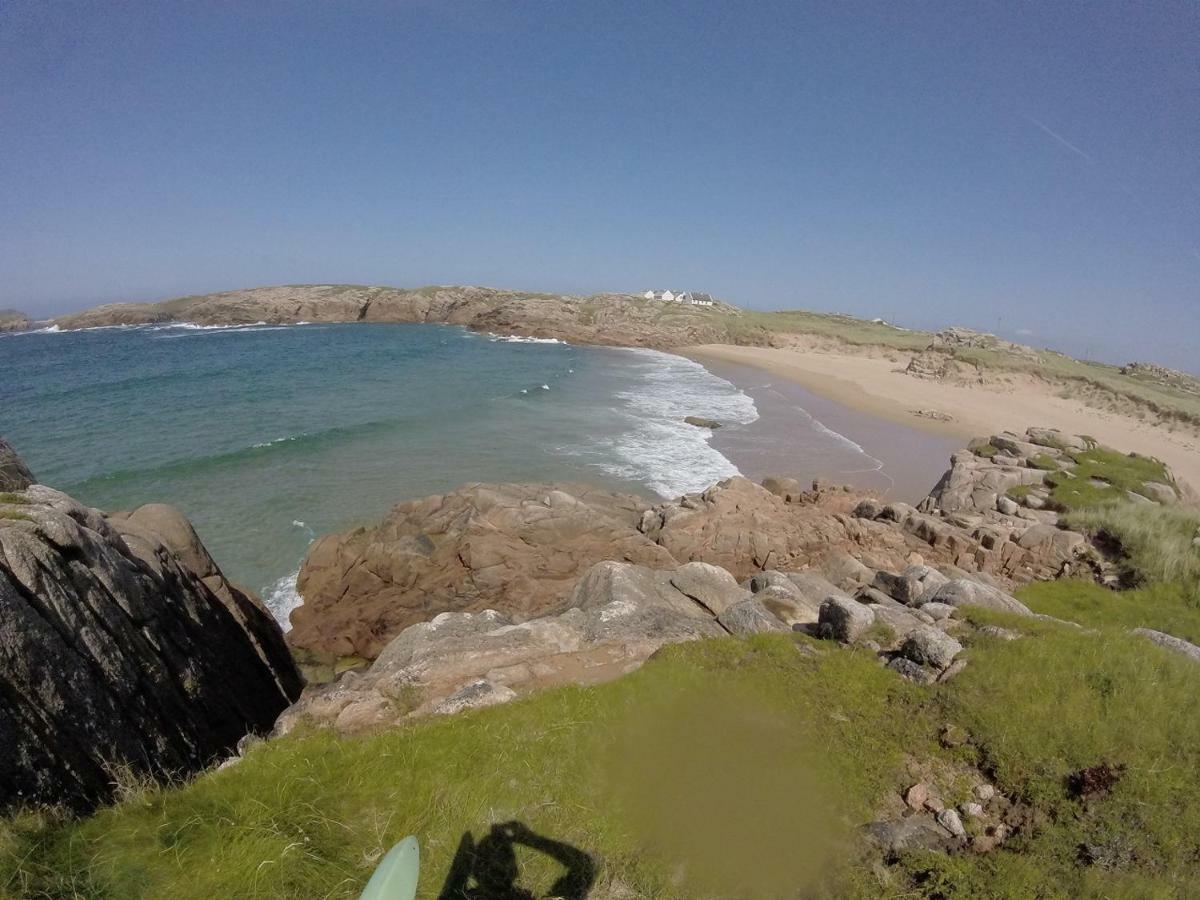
x=969 y=592
x=845 y=620
x=930 y=647
x=116 y=658
x=14 y=474
x=912 y=587
x=975 y=484
x=156 y=528
x=620 y=614
x=516 y=548
x=1170 y=642
x=520 y=549
x=751 y=616
x=745 y=528
x=710 y=586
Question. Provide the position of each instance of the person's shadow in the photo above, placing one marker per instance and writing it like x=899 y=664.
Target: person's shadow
x=488 y=870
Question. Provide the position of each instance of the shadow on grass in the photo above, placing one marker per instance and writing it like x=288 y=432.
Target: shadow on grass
x=488 y=870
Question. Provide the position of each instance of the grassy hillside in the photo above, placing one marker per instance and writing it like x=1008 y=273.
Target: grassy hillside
x=724 y=768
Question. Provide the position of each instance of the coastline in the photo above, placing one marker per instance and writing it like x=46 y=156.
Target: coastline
x=877 y=386
x=804 y=435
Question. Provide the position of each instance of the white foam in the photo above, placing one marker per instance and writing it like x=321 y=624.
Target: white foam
x=278 y=440
x=518 y=339
x=660 y=449
x=282 y=597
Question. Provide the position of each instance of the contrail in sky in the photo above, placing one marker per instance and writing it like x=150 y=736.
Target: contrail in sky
x=1058 y=137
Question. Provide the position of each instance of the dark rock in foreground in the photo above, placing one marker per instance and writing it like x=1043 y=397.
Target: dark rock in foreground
x=14 y=474
x=116 y=656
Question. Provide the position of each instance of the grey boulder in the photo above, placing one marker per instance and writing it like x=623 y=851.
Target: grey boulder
x=930 y=647
x=844 y=619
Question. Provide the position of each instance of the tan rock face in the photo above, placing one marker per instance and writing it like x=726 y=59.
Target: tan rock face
x=517 y=548
x=745 y=528
x=521 y=549
x=620 y=614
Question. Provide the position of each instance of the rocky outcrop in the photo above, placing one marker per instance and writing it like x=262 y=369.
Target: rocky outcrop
x=519 y=549
x=116 y=655
x=1170 y=642
x=13 y=320
x=745 y=528
x=14 y=474
x=618 y=615
x=515 y=548
x=609 y=319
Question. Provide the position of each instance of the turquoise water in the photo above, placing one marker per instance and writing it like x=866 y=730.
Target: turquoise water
x=267 y=436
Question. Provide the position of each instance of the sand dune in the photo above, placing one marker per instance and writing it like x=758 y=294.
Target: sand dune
x=878 y=385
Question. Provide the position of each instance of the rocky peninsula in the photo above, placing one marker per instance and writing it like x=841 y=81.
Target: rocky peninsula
x=12 y=320
x=956 y=381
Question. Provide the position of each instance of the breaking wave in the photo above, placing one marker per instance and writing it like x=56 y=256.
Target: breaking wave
x=659 y=449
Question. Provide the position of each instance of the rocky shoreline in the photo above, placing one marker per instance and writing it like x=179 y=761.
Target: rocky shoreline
x=615 y=320
x=125 y=652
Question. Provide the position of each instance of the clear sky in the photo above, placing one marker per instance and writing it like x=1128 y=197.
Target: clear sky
x=1028 y=168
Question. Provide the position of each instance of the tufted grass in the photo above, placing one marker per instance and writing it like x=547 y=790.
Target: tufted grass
x=1165 y=607
x=1056 y=701
x=722 y=768
x=1158 y=542
x=1102 y=476
x=750 y=754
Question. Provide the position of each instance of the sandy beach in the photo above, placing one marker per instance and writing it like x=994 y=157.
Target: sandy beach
x=878 y=386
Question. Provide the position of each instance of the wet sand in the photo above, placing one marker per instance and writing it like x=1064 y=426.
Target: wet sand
x=802 y=435
x=876 y=385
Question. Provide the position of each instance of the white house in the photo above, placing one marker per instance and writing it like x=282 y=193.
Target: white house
x=689 y=298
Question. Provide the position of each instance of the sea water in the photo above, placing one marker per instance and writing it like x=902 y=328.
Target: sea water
x=268 y=436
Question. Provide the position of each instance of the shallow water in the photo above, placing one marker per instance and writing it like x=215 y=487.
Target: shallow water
x=266 y=436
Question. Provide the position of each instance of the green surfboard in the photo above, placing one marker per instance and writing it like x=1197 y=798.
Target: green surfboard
x=396 y=876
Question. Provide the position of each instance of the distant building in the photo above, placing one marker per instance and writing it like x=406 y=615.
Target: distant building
x=689 y=298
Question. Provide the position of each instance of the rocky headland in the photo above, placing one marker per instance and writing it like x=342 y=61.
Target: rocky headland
x=13 y=320
x=605 y=319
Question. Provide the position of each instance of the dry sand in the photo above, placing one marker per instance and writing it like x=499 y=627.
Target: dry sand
x=878 y=385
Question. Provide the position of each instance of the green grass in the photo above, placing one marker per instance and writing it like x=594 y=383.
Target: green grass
x=1044 y=461
x=12 y=499
x=1156 y=541
x=722 y=768
x=1163 y=607
x=751 y=326
x=1103 y=476
x=1059 y=700
x=14 y=515
x=774 y=753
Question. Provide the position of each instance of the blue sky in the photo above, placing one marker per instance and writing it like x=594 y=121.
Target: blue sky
x=1027 y=168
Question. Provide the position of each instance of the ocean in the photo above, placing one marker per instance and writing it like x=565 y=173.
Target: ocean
x=268 y=436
